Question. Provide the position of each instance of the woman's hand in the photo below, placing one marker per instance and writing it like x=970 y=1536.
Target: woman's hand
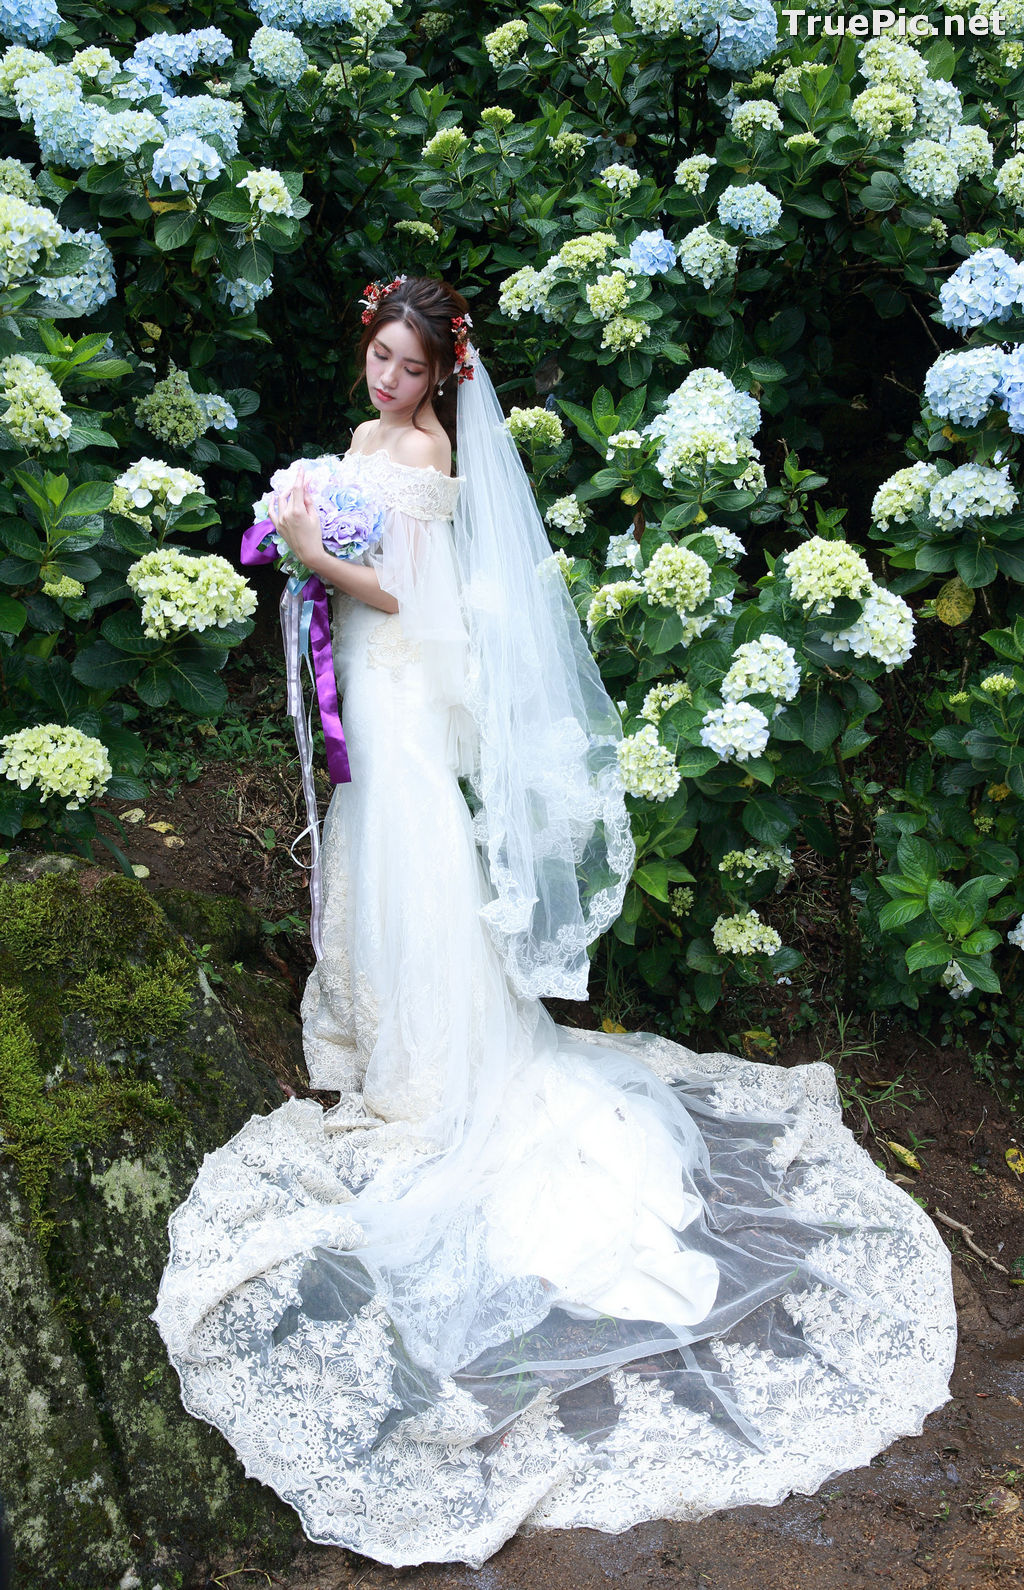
x=295 y=519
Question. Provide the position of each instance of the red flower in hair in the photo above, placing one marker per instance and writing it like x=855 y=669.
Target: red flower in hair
x=375 y=291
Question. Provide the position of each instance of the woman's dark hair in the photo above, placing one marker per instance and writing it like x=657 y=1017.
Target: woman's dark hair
x=428 y=306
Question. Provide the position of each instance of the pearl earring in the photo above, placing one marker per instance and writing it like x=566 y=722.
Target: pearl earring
x=440 y=391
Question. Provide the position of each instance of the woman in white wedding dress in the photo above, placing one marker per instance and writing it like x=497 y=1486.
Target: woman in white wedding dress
x=520 y=1274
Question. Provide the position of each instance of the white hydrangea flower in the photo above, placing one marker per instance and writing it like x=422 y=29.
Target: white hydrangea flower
x=956 y=981
x=59 y=760
x=752 y=861
x=735 y=732
x=1010 y=181
x=744 y=934
x=123 y=133
x=677 y=577
x=729 y=545
x=504 y=43
x=535 y=427
x=35 y=414
x=610 y=600
x=971 y=150
x=567 y=514
x=904 y=494
x=754 y=116
x=939 y=108
x=26 y=232
x=884 y=630
x=1016 y=935
x=930 y=171
x=151 y=482
x=623 y=441
x=179 y=591
x=620 y=179
x=660 y=697
x=648 y=768
x=705 y=421
x=526 y=290
x=819 y=571
x=692 y=174
x=883 y=111
x=890 y=61
x=710 y=259
x=622 y=332
x=623 y=551
x=763 y=667
x=973 y=491
x=267 y=191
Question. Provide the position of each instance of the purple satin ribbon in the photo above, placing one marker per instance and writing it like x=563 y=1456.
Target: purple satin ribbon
x=293 y=602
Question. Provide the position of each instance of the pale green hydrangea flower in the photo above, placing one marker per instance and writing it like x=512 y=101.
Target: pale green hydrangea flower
x=172 y=412
x=567 y=514
x=179 y=591
x=150 y=483
x=677 y=577
x=660 y=697
x=535 y=427
x=267 y=191
x=692 y=174
x=59 y=760
x=998 y=685
x=447 y=144
x=904 y=494
x=504 y=43
x=35 y=413
x=648 y=768
x=608 y=601
x=820 y=571
x=620 y=179
x=623 y=332
x=744 y=934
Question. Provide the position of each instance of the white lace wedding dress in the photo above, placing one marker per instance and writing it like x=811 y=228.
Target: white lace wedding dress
x=522 y=1274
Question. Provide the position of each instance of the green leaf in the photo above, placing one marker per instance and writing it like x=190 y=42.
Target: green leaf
x=174 y=229
x=13 y=615
x=978 y=969
x=896 y=913
x=91 y=497
x=102 y=667
x=653 y=879
x=124 y=630
x=927 y=952
x=694 y=761
x=917 y=859
x=707 y=990
x=975 y=564
x=231 y=205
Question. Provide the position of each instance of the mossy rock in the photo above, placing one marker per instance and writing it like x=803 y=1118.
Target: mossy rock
x=119 y=1070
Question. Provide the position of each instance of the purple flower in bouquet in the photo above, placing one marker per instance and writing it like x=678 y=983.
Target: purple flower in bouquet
x=349 y=523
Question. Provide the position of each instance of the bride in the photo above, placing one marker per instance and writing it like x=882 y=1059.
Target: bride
x=519 y=1274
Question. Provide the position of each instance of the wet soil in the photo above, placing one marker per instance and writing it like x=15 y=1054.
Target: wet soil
x=941 y=1511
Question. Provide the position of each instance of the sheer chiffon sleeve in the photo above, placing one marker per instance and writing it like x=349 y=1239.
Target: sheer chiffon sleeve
x=415 y=563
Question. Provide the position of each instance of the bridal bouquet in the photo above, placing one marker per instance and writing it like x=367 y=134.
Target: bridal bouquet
x=349 y=522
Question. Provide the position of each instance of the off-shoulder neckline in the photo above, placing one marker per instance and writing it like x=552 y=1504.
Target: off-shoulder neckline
x=415 y=469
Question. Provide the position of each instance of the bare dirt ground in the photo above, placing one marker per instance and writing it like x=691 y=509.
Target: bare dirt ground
x=941 y=1511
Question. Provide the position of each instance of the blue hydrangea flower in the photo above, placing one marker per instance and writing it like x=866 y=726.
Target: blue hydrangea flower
x=216 y=121
x=241 y=297
x=278 y=56
x=302 y=13
x=738 y=44
x=1011 y=388
x=29 y=21
x=987 y=286
x=146 y=81
x=88 y=288
x=184 y=159
x=651 y=253
x=213 y=45
x=751 y=209
x=65 y=131
x=171 y=53
x=961 y=386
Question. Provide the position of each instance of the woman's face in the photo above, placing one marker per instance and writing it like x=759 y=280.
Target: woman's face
x=397 y=371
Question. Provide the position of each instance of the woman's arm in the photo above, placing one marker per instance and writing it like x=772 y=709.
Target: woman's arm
x=296 y=522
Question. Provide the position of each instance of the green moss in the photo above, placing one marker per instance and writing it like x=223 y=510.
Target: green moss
x=229 y=927
x=137 y=1002
x=41 y=1129
x=54 y=925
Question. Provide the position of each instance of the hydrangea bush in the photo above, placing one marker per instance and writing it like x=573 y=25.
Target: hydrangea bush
x=666 y=217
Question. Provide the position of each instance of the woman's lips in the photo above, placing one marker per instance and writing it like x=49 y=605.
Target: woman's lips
x=385 y=397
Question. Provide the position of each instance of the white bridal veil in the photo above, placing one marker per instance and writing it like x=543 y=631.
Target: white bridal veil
x=552 y=817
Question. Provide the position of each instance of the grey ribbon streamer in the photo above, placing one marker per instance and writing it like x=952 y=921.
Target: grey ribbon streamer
x=295 y=635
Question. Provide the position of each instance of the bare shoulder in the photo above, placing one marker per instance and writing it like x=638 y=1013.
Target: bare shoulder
x=423 y=450
x=362 y=433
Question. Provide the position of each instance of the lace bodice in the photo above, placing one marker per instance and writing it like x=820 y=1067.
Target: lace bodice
x=422 y=493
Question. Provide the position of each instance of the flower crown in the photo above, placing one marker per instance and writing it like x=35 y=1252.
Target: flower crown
x=376 y=292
